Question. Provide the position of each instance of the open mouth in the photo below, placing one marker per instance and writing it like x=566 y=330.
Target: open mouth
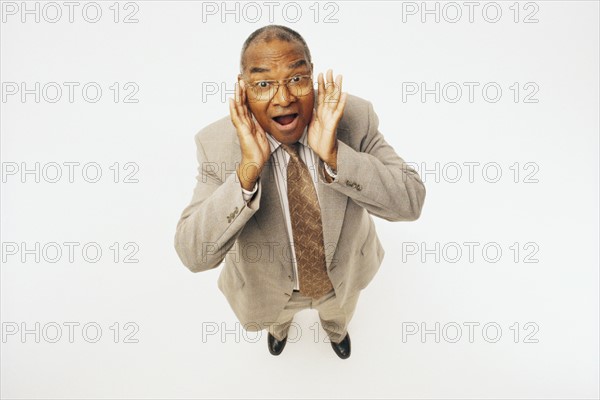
x=285 y=120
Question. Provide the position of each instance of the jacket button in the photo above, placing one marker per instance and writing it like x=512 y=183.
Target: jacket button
x=359 y=188
x=348 y=183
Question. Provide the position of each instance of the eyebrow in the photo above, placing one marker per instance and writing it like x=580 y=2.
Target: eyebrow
x=294 y=65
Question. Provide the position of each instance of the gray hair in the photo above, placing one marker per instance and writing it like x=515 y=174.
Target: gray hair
x=270 y=32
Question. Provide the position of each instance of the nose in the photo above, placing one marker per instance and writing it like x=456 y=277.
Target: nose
x=283 y=97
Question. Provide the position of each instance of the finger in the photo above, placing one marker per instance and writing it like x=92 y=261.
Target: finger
x=240 y=106
x=233 y=113
x=243 y=99
x=239 y=121
x=329 y=86
x=313 y=121
x=341 y=104
x=254 y=122
x=259 y=129
x=244 y=93
x=238 y=92
x=321 y=91
x=337 y=88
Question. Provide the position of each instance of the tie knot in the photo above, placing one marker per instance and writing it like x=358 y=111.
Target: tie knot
x=291 y=149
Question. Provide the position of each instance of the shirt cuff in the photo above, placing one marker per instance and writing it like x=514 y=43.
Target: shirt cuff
x=330 y=171
x=248 y=194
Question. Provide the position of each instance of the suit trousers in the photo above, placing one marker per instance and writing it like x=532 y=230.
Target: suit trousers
x=333 y=315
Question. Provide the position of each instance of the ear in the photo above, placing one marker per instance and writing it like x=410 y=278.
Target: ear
x=239 y=77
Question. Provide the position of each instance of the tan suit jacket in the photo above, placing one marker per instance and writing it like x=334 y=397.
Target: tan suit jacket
x=257 y=276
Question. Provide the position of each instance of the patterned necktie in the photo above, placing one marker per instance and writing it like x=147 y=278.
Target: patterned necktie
x=307 y=228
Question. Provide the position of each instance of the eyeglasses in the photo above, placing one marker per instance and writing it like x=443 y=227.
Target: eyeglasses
x=297 y=86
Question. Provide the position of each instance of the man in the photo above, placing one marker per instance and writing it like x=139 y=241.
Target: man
x=285 y=187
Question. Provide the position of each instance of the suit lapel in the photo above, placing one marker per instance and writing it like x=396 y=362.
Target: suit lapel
x=270 y=217
x=333 y=207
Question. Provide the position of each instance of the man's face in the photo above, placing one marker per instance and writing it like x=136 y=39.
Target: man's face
x=278 y=60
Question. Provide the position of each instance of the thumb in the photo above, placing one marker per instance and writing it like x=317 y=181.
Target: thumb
x=313 y=118
x=258 y=127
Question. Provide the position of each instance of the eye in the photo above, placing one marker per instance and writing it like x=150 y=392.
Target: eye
x=263 y=84
x=296 y=79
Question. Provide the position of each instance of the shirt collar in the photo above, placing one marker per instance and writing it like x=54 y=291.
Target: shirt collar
x=274 y=143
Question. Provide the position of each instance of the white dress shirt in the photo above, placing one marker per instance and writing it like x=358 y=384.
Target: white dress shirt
x=279 y=160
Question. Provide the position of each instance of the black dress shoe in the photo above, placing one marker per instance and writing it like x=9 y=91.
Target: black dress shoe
x=276 y=346
x=342 y=349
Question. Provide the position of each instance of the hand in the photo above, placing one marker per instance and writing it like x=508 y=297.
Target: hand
x=331 y=102
x=253 y=140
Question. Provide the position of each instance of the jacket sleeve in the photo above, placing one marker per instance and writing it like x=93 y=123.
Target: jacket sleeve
x=210 y=224
x=377 y=179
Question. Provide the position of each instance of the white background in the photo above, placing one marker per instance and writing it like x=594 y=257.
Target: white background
x=172 y=54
